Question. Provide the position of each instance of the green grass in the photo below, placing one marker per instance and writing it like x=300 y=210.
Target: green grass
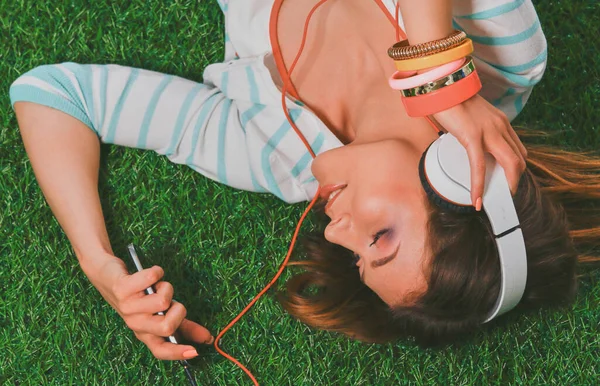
x=219 y=246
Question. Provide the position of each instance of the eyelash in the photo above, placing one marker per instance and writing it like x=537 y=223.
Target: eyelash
x=376 y=238
x=378 y=235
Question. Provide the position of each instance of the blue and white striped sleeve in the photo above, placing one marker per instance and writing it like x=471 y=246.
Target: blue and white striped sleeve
x=189 y=122
x=230 y=53
x=510 y=48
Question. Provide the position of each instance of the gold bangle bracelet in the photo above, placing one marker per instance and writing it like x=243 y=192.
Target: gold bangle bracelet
x=437 y=84
x=402 y=50
x=436 y=59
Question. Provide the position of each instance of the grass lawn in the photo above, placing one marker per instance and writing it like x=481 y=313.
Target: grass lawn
x=219 y=246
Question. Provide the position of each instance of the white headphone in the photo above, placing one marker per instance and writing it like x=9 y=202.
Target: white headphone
x=445 y=174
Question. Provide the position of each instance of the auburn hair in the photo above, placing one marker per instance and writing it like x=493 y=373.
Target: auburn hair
x=555 y=205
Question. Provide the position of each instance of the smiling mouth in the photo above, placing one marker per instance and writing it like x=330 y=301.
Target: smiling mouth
x=332 y=197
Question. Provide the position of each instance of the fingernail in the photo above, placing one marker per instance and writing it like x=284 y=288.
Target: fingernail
x=212 y=340
x=190 y=354
x=478 y=204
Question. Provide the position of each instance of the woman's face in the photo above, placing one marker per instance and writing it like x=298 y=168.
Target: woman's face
x=383 y=197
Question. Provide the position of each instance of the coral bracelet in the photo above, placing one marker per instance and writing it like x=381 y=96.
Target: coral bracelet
x=444 y=98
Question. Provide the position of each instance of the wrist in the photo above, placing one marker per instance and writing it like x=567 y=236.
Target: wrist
x=91 y=249
x=94 y=261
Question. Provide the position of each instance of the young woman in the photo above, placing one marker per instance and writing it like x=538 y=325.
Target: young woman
x=390 y=263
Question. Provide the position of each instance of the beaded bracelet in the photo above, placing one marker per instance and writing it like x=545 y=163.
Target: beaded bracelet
x=402 y=49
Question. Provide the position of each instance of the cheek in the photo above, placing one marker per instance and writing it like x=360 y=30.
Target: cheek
x=385 y=196
x=371 y=206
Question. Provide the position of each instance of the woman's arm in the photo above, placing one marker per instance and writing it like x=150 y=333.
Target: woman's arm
x=427 y=20
x=64 y=155
x=479 y=126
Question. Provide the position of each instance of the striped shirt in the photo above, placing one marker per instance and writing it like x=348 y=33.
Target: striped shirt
x=231 y=127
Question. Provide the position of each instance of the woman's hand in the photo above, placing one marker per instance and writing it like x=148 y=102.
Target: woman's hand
x=480 y=127
x=125 y=293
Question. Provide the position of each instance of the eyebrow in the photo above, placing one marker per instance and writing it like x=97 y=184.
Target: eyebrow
x=385 y=260
x=382 y=261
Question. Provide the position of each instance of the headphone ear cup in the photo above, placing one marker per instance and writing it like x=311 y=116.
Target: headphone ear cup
x=436 y=198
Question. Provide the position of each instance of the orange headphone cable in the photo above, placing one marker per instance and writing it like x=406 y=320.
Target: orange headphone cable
x=294 y=237
x=286 y=84
x=397 y=25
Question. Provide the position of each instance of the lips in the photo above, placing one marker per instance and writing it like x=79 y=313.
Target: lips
x=336 y=188
x=328 y=189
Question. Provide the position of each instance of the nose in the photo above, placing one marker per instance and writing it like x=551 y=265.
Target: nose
x=338 y=231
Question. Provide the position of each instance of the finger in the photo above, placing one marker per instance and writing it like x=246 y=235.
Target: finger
x=161 y=325
x=150 y=304
x=166 y=350
x=477 y=164
x=509 y=161
x=504 y=122
x=164 y=290
x=516 y=150
x=137 y=282
x=517 y=140
x=194 y=332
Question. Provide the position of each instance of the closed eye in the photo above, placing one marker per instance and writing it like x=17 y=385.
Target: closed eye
x=378 y=235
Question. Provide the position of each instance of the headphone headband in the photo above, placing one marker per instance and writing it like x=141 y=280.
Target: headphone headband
x=447 y=170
